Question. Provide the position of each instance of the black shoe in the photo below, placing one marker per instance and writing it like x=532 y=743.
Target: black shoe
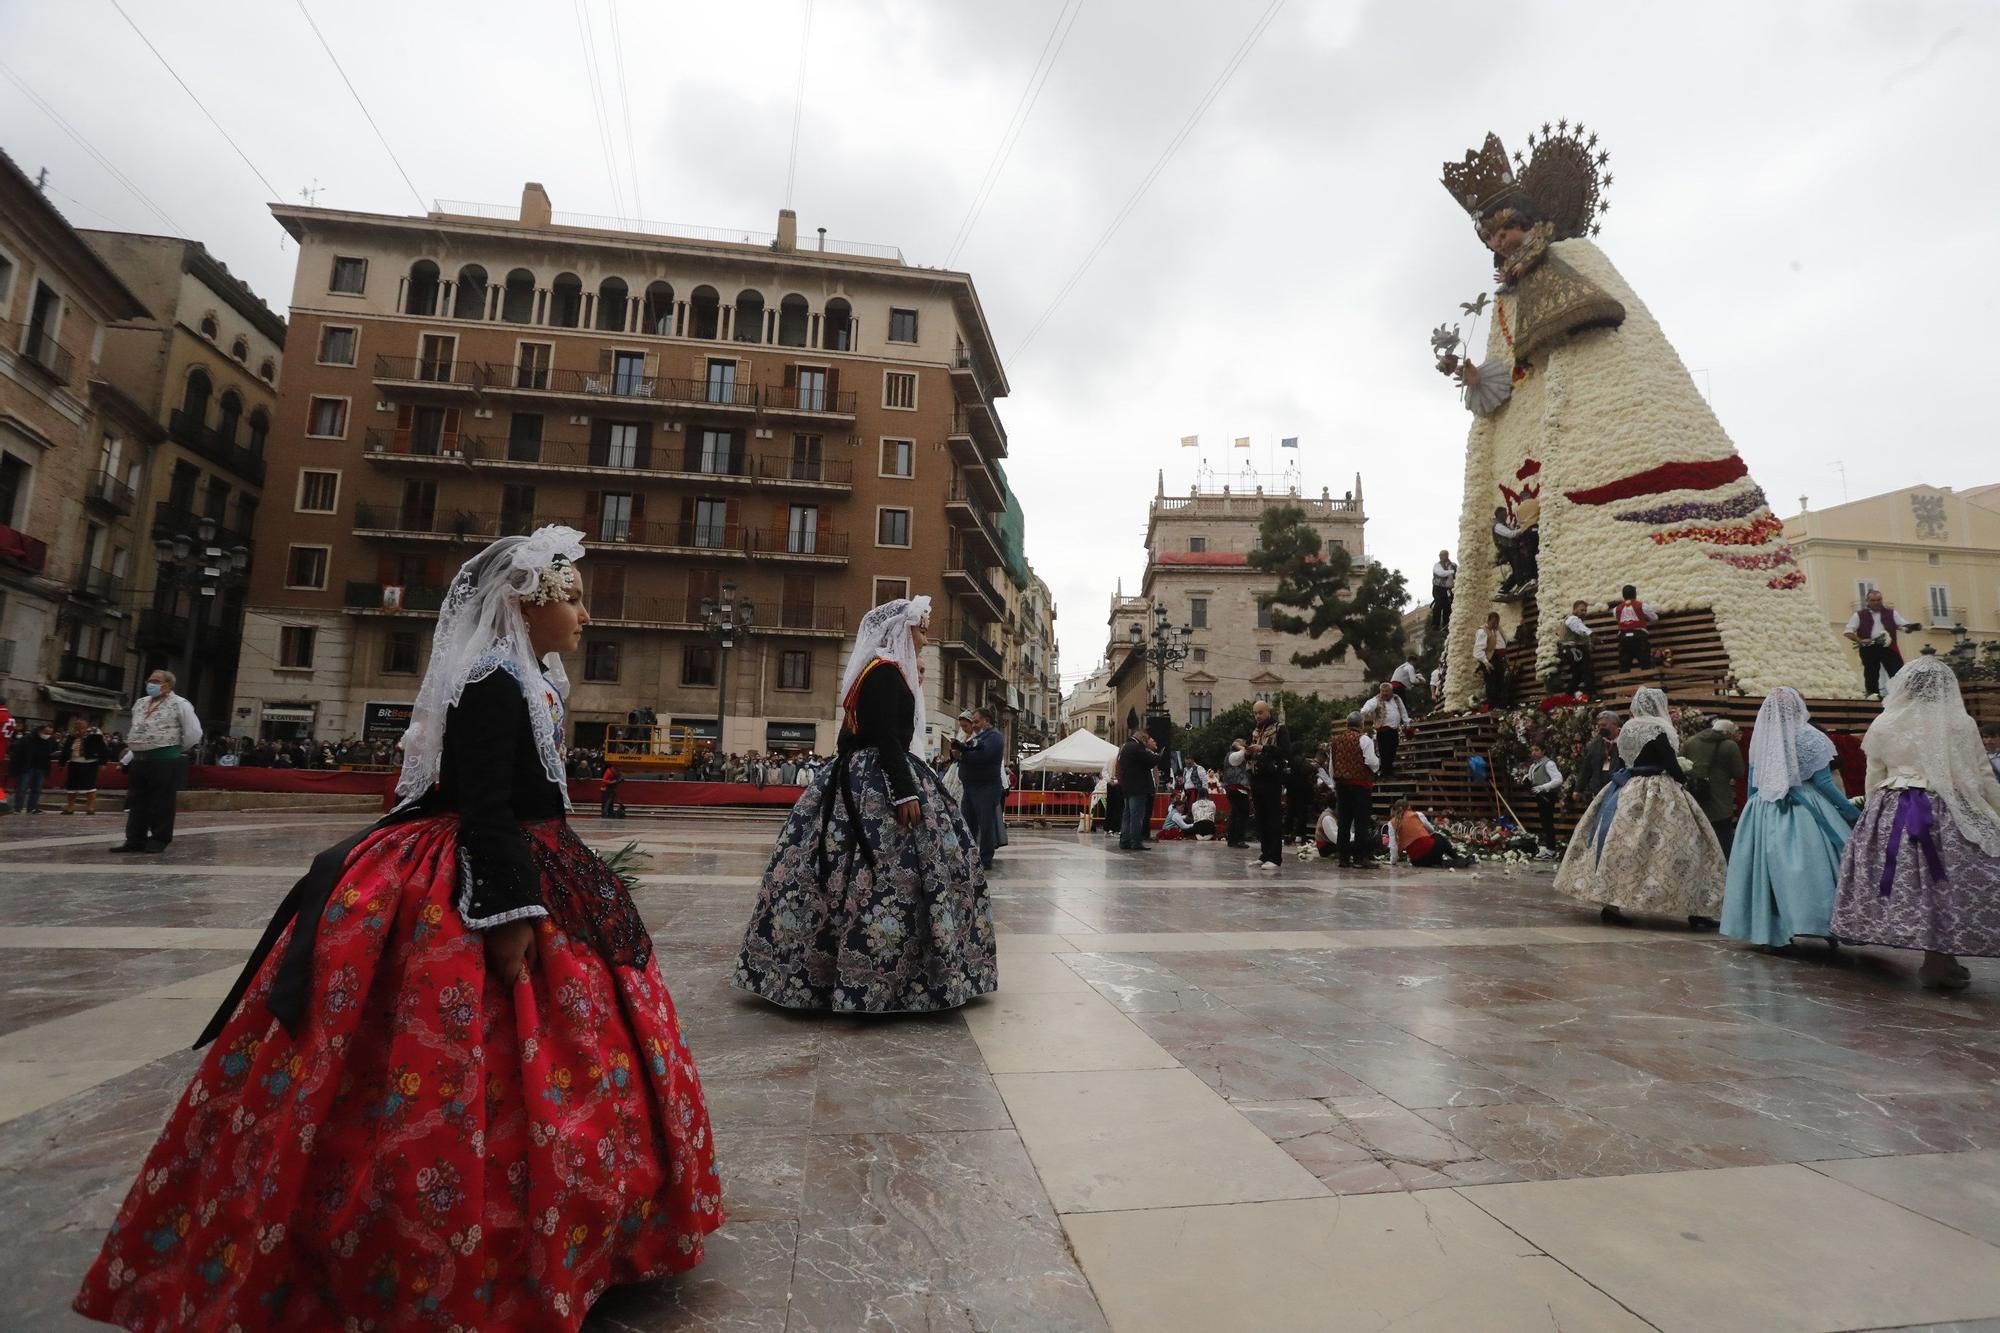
x=127 y=847
x=1611 y=916
x=1703 y=923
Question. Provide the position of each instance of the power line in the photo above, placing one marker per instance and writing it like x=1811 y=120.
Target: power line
x=799 y=101
x=1173 y=146
x=631 y=153
x=196 y=100
x=1024 y=107
x=415 y=193
x=588 y=36
x=172 y=226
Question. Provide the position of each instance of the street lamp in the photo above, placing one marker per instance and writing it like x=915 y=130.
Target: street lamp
x=203 y=569
x=1165 y=649
x=722 y=620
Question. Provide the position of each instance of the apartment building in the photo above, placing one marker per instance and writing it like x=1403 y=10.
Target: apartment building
x=1198 y=577
x=808 y=428
x=206 y=365
x=72 y=452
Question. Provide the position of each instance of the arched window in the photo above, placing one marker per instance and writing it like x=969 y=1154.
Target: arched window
x=194 y=401
x=209 y=329
x=612 y=296
x=839 y=335
x=566 y=301
x=268 y=372
x=703 y=311
x=793 y=319
x=240 y=349
x=750 y=317
x=422 y=296
x=232 y=412
x=658 y=315
x=468 y=300
x=260 y=430
x=517 y=303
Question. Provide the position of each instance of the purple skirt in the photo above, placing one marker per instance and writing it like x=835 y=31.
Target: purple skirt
x=1944 y=896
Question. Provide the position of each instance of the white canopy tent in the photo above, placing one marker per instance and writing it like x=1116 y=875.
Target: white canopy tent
x=1078 y=752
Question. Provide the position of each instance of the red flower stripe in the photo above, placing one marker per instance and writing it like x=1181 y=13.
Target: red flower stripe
x=1705 y=476
x=1795 y=579
x=1754 y=533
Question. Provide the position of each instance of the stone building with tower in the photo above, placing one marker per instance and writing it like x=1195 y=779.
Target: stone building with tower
x=809 y=424
x=1198 y=573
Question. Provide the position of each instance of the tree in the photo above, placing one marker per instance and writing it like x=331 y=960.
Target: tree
x=1319 y=593
x=1310 y=718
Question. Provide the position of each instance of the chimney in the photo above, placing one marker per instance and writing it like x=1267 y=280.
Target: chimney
x=534 y=205
x=788 y=230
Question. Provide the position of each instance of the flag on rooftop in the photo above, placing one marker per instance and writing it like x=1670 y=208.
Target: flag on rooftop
x=1243 y=442
x=1289 y=442
x=1190 y=441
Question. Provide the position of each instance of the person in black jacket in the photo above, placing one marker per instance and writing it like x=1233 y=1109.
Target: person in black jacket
x=84 y=753
x=979 y=766
x=874 y=901
x=465 y=993
x=1270 y=768
x=1138 y=757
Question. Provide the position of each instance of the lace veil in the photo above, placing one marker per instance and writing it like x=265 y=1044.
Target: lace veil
x=1650 y=701
x=481 y=630
x=1924 y=722
x=885 y=633
x=1637 y=734
x=1785 y=751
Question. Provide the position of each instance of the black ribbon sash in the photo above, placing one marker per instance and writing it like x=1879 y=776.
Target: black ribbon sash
x=306 y=904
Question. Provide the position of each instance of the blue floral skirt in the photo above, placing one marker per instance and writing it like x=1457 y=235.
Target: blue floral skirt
x=861 y=915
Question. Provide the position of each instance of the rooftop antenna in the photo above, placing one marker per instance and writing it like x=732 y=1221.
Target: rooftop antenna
x=42 y=181
x=310 y=193
x=1840 y=466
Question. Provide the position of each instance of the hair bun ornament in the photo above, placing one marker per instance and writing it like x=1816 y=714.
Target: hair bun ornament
x=542 y=547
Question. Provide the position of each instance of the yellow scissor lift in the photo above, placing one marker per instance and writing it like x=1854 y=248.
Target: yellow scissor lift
x=640 y=750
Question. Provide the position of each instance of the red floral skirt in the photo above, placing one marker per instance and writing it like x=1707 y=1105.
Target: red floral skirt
x=438 y=1148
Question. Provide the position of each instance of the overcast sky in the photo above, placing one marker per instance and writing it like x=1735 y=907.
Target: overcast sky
x=1805 y=196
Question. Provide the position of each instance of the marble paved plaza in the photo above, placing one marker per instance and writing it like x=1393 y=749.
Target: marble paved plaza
x=1204 y=1099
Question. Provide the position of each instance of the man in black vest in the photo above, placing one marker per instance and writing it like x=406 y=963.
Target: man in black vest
x=1876 y=630
x=1136 y=761
x=1270 y=766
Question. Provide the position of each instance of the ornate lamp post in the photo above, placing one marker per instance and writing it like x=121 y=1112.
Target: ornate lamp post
x=1165 y=648
x=204 y=569
x=722 y=620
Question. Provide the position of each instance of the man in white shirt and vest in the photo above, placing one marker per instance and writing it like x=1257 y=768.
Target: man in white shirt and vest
x=1489 y=655
x=1573 y=647
x=1546 y=781
x=1444 y=579
x=1388 y=714
x=1877 y=630
x=164 y=729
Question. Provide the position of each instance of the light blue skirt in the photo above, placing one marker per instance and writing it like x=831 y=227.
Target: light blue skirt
x=1783 y=868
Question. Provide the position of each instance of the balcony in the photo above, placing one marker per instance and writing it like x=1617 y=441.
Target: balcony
x=77 y=670
x=975 y=479
x=393 y=445
x=110 y=494
x=601 y=458
x=966 y=640
x=362 y=596
x=644 y=613
x=172 y=520
x=798 y=620
x=964 y=379
x=833 y=475
x=17 y=548
x=814 y=546
x=623 y=387
x=976 y=427
x=714 y=541
x=970 y=579
x=975 y=523
x=41 y=351
x=808 y=402
x=98 y=585
x=430 y=376
x=434 y=523
x=188 y=429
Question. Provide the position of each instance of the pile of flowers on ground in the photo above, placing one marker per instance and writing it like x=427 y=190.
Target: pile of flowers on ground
x=1489 y=840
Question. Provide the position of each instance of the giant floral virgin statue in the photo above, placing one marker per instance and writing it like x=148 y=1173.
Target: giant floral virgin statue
x=1587 y=424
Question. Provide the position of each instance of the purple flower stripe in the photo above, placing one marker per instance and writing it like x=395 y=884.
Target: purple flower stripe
x=1735 y=506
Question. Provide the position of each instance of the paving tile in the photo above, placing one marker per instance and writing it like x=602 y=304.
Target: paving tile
x=1753 y=1248
x=1410 y=1261
x=1958 y=1189
x=1552 y=1142
x=1018 y=1033
x=743 y=1285
x=1144 y=1139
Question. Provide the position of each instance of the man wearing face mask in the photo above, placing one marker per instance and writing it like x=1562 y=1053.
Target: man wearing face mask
x=164 y=727
x=1600 y=758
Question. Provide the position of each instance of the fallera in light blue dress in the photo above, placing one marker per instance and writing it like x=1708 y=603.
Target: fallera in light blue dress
x=1785 y=863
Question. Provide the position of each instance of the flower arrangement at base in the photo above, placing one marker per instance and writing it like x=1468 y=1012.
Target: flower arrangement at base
x=1496 y=841
x=1555 y=701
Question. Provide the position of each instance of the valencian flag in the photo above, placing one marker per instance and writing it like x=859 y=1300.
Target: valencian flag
x=1243 y=442
x=1190 y=441
x=1289 y=442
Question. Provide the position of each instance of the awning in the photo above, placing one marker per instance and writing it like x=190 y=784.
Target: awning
x=63 y=694
x=702 y=728
x=272 y=714
x=790 y=733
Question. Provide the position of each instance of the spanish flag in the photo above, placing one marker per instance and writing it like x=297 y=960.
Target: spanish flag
x=1190 y=441
x=1243 y=442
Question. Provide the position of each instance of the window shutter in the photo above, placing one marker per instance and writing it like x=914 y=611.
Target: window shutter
x=450 y=440
x=600 y=441
x=638 y=511
x=604 y=360
x=729 y=531
x=645 y=451
x=593 y=507
x=744 y=393
x=406 y=417
x=791 y=377
x=687 y=518
x=832 y=384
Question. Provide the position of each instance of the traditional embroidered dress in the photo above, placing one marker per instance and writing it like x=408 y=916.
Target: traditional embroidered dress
x=1785 y=859
x=386 y=1134
x=1643 y=844
x=1922 y=870
x=858 y=913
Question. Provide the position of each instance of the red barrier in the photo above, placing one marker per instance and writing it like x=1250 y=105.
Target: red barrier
x=590 y=793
